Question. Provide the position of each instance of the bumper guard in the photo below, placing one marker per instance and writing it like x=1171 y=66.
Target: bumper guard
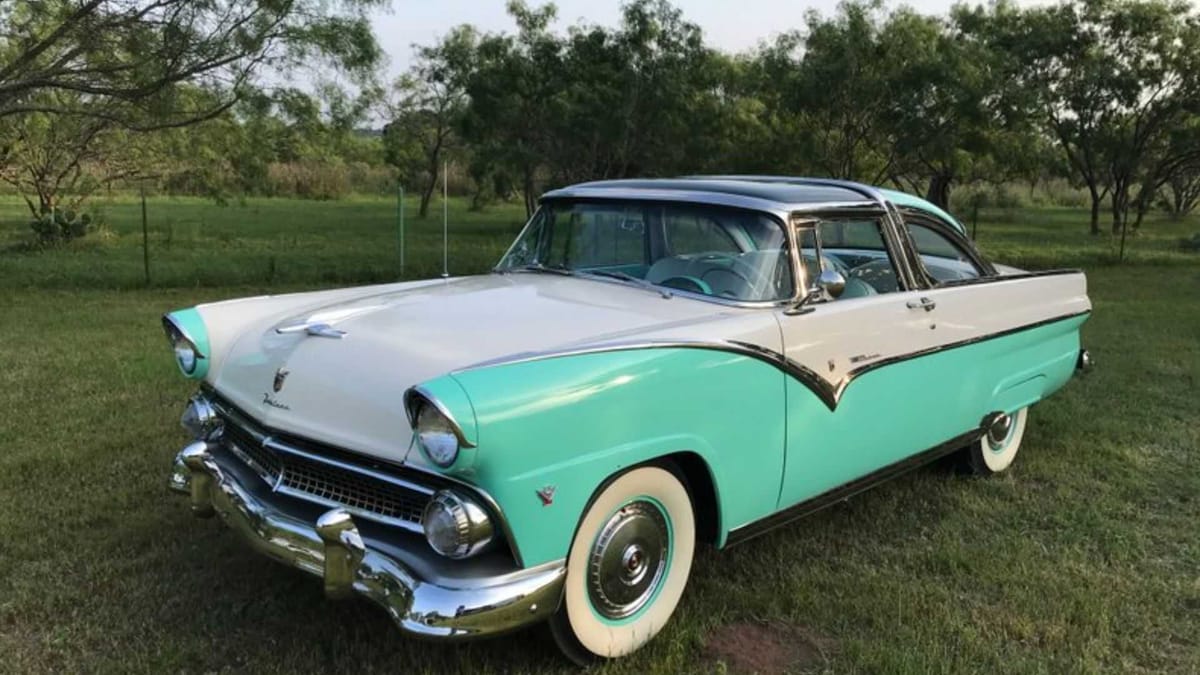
x=334 y=550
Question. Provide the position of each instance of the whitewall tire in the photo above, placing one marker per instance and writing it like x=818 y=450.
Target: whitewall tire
x=997 y=449
x=627 y=566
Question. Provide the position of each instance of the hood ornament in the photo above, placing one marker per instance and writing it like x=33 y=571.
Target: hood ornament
x=317 y=329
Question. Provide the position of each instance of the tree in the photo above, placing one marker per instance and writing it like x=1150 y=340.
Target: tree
x=123 y=59
x=841 y=87
x=427 y=111
x=1107 y=79
x=514 y=97
x=48 y=158
x=942 y=118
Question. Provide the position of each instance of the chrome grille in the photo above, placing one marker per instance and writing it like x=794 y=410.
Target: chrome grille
x=264 y=462
x=303 y=474
x=351 y=489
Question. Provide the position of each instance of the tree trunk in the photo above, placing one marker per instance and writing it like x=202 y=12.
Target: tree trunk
x=427 y=196
x=939 y=189
x=527 y=190
x=1096 y=199
x=1120 y=208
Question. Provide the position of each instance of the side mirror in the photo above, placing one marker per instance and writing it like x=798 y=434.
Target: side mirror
x=829 y=282
x=832 y=282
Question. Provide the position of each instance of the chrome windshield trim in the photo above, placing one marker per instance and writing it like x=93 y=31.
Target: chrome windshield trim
x=698 y=196
x=777 y=211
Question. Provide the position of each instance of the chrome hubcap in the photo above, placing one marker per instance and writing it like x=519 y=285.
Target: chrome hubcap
x=999 y=431
x=628 y=560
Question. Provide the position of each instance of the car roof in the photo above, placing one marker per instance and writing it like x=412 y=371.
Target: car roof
x=781 y=191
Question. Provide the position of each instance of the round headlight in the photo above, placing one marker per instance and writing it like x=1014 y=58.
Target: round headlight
x=455 y=526
x=200 y=418
x=185 y=355
x=435 y=435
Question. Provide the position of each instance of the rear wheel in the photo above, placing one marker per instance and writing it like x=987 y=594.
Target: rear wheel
x=627 y=566
x=997 y=449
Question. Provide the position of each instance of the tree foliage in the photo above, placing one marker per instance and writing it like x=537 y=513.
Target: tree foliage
x=123 y=60
x=1103 y=93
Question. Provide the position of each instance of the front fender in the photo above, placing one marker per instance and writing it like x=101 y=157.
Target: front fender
x=567 y=423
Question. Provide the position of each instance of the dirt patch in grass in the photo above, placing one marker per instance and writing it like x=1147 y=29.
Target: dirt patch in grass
x=747 y=647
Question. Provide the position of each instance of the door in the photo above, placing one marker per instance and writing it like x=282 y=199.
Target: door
x=901 y=363
x=849 y=414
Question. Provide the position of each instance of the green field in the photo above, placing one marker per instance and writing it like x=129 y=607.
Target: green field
x=1083 y=558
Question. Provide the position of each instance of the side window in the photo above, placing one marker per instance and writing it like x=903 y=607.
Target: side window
x=688 y=233
x=943 y=258
x=854 y=248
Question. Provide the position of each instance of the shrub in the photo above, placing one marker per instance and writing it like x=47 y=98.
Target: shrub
x=53 y=226
x=308 y=180
x=1190 y=244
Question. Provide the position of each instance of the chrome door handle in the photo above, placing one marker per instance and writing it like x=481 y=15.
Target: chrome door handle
x=924 y=303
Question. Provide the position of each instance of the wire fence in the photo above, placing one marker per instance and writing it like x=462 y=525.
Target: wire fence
x=142 y=239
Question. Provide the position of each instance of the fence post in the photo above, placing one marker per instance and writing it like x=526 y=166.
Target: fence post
x=145 y=237
x=445 y=220
x=400 y=215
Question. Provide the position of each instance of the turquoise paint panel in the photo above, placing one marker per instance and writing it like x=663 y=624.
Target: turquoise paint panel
x=905 y=199
x=193 y=329
x=890 y=413
x=571 y=422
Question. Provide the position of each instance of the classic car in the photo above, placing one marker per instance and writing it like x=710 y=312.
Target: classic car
x=653 y=365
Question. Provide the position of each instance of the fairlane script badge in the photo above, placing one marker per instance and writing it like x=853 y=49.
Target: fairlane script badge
x=273 y=402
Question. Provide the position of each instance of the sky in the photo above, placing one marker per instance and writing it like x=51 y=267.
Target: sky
x=730 y=25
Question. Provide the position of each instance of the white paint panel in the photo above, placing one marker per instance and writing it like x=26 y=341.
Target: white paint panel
x=842 y=336
x=349 y=392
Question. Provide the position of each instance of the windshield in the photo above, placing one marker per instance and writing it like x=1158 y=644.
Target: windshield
x=717 y=251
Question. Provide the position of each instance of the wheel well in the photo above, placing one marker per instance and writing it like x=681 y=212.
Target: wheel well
x=699 y=483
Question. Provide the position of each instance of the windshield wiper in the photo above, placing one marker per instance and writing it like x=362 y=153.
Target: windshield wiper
x=556 y=269
x=664 y=292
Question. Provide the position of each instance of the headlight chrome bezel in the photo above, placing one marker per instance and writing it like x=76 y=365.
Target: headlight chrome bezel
x=456 y=526
x=432 y=422
x=185 y=334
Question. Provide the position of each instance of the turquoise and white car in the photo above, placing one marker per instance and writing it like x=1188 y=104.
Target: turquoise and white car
x=653 y=365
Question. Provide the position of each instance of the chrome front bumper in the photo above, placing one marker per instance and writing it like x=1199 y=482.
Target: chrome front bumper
x=332 y=546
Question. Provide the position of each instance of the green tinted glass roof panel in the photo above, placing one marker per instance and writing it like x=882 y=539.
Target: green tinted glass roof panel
x=905 y=199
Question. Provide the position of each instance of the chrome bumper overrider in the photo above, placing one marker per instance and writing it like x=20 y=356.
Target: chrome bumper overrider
x=331 y=546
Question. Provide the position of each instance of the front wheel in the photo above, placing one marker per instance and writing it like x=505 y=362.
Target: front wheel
x=997 y=449
x=627 y=566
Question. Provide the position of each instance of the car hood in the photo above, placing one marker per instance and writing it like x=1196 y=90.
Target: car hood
x=348 y=391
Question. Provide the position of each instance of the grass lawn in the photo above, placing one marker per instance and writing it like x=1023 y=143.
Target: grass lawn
x=1084 y=557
